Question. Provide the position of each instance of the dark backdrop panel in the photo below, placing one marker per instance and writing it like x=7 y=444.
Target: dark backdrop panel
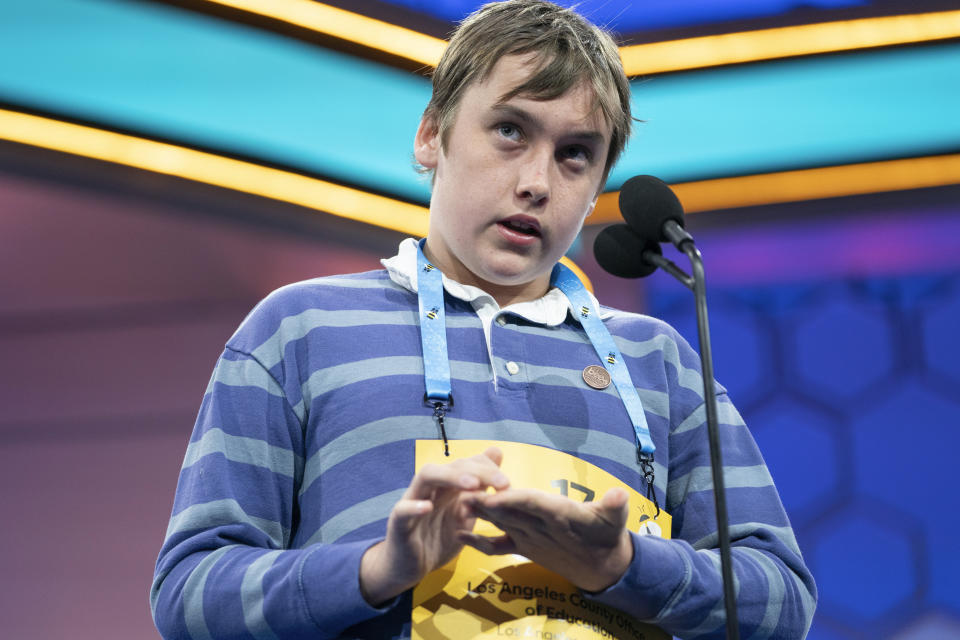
x=840 y=346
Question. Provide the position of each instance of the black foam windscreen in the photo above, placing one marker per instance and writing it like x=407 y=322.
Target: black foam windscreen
x=646 y=203
x=619 y=250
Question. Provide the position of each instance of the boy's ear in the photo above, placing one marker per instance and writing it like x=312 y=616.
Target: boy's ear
x=596 y=197
x=426 y=146
x=591 y=208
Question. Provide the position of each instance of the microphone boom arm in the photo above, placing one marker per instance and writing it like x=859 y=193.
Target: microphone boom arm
x=655 y=258
x=713 y=435
x=697 y=284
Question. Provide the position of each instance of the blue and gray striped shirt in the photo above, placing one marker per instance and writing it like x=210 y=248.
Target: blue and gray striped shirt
x=305 y=440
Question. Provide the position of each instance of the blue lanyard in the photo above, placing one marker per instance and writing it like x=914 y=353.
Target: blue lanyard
x=436 y=364
x=433 y=330
x=565 y=280
x=433 y=340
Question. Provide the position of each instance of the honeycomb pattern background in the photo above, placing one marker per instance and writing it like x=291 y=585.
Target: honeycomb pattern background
x=852 y=390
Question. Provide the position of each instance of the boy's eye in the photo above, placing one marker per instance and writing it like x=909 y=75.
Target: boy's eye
x=576 y=153
x=508 y=131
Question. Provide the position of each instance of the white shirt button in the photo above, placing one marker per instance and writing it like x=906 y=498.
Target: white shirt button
x=501 y=320
x=513 y=368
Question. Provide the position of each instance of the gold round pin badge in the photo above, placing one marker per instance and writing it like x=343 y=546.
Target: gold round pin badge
x=596 y=376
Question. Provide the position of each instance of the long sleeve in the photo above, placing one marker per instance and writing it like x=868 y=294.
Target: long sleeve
x=676 y=584
x=226 y=569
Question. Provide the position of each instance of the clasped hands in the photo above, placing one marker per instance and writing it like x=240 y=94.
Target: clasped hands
x=585 y=542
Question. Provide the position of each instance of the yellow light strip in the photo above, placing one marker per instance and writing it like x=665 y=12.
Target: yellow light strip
x=804 y=184
x=782 y=42
x=639 y=59
x=346 y=25
x=346 y=202
x=411 y=219
x=213 y=169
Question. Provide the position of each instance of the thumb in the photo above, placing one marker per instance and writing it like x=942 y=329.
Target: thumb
x=615 y=504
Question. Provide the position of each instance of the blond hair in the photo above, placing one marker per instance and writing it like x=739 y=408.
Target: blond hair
x=566 y=49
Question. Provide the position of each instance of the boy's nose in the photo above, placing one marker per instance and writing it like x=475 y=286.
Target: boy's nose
x=533 y=182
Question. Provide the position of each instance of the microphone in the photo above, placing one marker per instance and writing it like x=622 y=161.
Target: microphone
x=653 y=210
x=620 y=250
x=654 y=215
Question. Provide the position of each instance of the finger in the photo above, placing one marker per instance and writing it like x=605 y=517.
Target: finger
x=518 y=513
x=532 y=501
x=495 y=454
x=469 y=474
x=615 y=506
x=487 y=468
x=490 y=545
x=434 y=476
x=615 y=498
x=406 y=513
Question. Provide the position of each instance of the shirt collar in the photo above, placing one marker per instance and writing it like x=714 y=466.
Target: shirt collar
x=550 y=310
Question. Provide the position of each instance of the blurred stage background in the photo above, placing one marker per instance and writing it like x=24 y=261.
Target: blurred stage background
x=164 y=165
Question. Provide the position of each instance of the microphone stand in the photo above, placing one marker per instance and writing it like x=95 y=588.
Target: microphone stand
x=697 y=284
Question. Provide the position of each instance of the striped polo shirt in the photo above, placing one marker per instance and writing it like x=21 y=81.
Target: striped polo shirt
x=305 y=440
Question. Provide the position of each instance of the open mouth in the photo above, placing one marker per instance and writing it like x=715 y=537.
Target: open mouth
x=520 y=226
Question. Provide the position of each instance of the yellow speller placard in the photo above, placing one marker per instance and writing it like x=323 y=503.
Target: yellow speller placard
x=480 y=596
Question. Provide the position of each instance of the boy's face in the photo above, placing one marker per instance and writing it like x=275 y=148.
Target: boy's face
x=514 y=183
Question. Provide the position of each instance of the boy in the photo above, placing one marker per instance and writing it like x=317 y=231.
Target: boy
x=300 y=511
